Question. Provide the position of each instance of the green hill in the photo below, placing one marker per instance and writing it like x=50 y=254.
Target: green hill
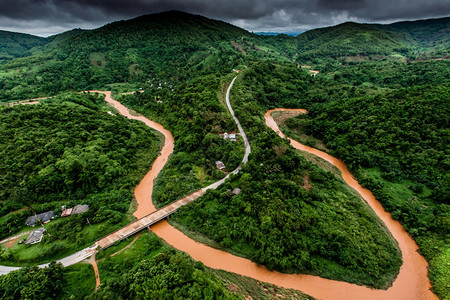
x=14 y=45
x=428 y=33
x=352 y=39
x=58 y=38
x=432 y=36
x=169 y=46
x=365 y=41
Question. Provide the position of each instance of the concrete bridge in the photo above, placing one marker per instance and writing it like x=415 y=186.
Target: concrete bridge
x=147 y=221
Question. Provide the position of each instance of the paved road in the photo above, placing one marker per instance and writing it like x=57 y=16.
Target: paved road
x=14 y=237
x=154 y=217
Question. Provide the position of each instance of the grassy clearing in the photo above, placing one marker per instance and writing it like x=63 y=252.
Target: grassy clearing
x=113 y=249
x=21 y=254
x=78 y=281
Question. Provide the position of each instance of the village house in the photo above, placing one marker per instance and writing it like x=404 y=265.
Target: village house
x=236 y=191
x=220 y=165
x=229 y=136
x=44 y=217
x=35 y=236
x=79 y=209
x=66 y=212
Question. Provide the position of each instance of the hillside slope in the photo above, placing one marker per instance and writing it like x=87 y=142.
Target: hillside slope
x=14 y=45
x=165 y=46
x=350 y=39
x=172 y=46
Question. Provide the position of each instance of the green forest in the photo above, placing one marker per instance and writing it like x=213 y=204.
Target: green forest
x=276 y=222
x=195 y=117
x=379 y=103
x=66 y=151
x=394 y=138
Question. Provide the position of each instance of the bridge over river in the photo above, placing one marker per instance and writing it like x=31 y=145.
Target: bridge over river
x=147 y=221
x=154 y=217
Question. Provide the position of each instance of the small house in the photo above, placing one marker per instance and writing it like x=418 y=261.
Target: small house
x=220 y=165
x=35 y=236
x=229 y=136
x=66 y=212
x=236 y=191
x=80 y=208
x=44 y=217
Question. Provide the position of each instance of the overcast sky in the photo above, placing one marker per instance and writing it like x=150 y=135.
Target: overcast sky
x=47 y=17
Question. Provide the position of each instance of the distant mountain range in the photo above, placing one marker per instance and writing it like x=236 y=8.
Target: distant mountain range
x=352 y=39
x=174 y=44
x=290 y=33
x=347 y=39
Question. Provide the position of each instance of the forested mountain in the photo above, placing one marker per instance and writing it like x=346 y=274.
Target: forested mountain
x=378 y=103
x=14 y=45
x=352 y=39
x=428 y=33
x=365 y=41
x=170 y=46
x=58 y=38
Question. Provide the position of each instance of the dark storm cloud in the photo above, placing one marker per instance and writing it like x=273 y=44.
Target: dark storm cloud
x=328 y=5
x=51 y=16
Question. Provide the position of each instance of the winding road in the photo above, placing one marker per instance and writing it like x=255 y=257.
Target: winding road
x=411 y=283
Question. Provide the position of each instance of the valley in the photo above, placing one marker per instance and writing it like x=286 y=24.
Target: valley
x=277 y=213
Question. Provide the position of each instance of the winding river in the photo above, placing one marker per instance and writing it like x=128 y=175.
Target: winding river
x=411 y=283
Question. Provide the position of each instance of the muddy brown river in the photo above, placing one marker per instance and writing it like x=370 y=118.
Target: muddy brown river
x=411 y=283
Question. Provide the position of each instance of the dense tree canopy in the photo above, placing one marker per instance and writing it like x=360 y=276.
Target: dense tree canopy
x=32 y=283
x=69 y=151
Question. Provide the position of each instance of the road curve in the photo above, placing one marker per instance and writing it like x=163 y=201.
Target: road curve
x=143 y=194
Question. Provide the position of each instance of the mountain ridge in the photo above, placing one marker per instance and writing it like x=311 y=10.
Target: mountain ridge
x=170 y=45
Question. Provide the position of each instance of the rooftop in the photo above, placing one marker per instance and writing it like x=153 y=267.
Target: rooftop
x=35 y=236
x=43 y=217
x=80 y=208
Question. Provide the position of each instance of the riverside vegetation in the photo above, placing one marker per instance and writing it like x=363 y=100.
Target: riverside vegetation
x=66 y=151
x=374 y=76
x=393 y=136
x=277 y=223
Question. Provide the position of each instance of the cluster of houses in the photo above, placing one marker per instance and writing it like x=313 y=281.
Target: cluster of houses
x=159 y=84
x=36 y=235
